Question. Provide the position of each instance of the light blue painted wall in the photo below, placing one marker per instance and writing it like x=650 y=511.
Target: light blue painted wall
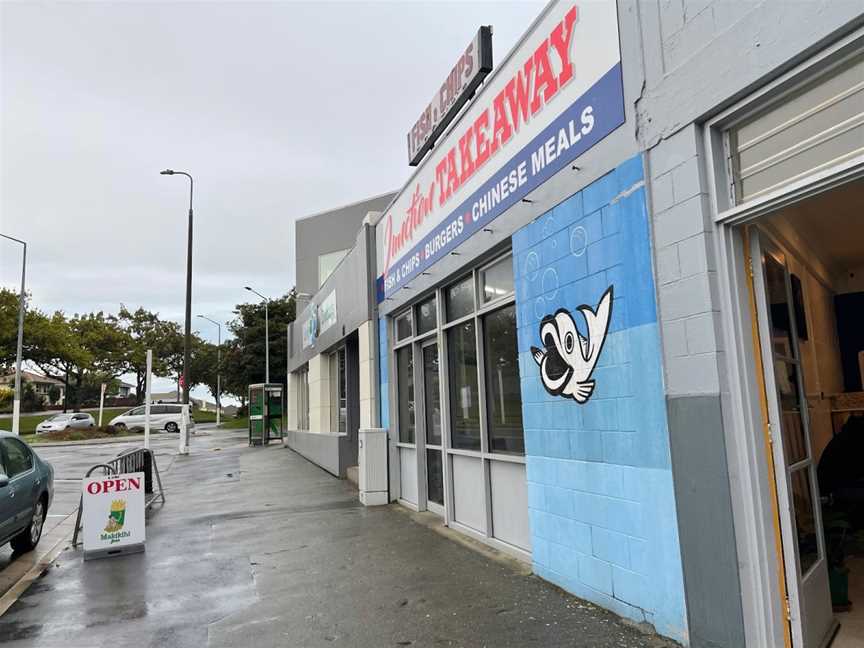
x=383 y=364
x=601 y=501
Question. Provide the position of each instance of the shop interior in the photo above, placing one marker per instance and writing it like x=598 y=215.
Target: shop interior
x=820 y=241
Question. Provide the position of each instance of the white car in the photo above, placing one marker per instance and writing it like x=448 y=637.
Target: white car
x=76 y=420
x=162 y=417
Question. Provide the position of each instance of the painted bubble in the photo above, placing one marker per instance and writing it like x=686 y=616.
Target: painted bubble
x=578 y=241
x=532 y=266
x=550 y=283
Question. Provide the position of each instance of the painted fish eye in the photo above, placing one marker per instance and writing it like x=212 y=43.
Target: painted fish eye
x=568 y=343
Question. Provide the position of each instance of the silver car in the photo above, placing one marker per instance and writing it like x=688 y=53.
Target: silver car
x=75 y=420
x=163 y=416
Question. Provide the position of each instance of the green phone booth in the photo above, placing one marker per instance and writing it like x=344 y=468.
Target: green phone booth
x=265 y=413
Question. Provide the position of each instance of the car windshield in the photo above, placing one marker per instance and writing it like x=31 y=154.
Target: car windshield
x=60 y=417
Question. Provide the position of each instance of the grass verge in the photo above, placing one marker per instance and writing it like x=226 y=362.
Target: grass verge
x=29 y=422
x=61 y=436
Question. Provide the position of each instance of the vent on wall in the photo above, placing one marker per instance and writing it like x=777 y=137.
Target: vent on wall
x=815 y=127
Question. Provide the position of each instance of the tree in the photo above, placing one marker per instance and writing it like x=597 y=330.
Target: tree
x=204 y=365
x=145 y=330
x=76 y=347
x=244 y=360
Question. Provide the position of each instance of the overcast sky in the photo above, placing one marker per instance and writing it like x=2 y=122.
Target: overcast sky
x=279 y=110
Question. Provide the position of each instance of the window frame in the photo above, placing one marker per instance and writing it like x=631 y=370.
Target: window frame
x=416 y=342
x=5 y=452
x=340 y=382
x=301 y=400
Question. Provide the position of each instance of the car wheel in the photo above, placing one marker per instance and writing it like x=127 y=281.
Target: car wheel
x=171 y=426
x=29 y=537
x=120 y=426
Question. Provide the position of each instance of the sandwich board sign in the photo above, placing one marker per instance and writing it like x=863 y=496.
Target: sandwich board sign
x=113 y=514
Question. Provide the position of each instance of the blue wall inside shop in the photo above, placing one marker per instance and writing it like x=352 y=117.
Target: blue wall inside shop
x=600 y=492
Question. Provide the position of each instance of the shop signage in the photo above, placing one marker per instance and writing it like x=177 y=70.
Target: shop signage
x=469 y=71
x=557 y=95
x=310 y=327
x=327 y=312
x=113 y=512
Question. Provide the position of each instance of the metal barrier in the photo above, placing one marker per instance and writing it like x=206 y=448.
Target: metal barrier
x=129 y=461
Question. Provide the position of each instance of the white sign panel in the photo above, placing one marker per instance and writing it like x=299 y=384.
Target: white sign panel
x=327 y=312
x=113 y=514
x=557 y=95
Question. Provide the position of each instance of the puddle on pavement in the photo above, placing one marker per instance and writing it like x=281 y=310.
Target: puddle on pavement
x=15 y=631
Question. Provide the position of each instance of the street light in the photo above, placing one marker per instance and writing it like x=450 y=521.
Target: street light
x=16 y=406
x=187 y=340
x=266 y=335
x=219 y=366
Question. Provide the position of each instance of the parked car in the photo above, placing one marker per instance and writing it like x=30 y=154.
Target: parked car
x=76 y=420
x=162 y=417
x=26 y=493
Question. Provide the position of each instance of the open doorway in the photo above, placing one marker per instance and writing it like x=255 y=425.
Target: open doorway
x=808 y=270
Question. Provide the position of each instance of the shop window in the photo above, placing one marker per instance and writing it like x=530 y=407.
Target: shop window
x=462 y=367
x=302 y=377
x=338 y=392
x=434 y=477
x=459 y=299
x=404 y=328
x=327 y=263
x=503 y=393
x=427 y=319
x=497 y=279
x=432 y=394
x=405 y=394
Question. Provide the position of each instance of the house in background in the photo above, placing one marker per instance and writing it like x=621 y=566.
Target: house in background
x=122 y=390
x=40 y=382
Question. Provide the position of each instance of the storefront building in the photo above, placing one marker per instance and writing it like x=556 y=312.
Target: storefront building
x=332 y=344
x=618 y=313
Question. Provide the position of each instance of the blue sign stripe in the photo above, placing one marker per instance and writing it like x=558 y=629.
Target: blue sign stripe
x=603 y=102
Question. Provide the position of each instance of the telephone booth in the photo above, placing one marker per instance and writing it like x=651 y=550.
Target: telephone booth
x=265 y=413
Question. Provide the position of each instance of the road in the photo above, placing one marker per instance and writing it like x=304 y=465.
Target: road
x=70 y=463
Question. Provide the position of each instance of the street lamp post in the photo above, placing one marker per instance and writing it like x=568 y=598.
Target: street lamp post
x=266 y=335
x=218 y=369
x=187 y=339
x=16 y=405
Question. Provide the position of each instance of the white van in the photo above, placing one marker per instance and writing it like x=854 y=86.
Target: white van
x=162 y=417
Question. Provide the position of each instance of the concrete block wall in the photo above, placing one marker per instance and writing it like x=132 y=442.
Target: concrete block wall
x=693 y=364
x=601 y=499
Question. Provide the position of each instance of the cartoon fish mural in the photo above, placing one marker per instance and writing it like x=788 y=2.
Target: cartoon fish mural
x=568 y=357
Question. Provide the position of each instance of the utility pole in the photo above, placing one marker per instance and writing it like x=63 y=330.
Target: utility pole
x=16 y=404
x=187 y=339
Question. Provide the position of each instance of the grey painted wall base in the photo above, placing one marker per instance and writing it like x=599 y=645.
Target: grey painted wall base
x=329 y=451
x=706 y=530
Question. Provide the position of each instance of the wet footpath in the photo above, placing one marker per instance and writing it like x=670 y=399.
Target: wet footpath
x=257 y=547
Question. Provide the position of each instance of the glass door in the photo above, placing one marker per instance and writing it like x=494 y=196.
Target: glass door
x=432 y=419
x=809 y=605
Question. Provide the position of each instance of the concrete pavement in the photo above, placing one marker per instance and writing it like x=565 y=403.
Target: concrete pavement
x=258 y=547
x=70 y=463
